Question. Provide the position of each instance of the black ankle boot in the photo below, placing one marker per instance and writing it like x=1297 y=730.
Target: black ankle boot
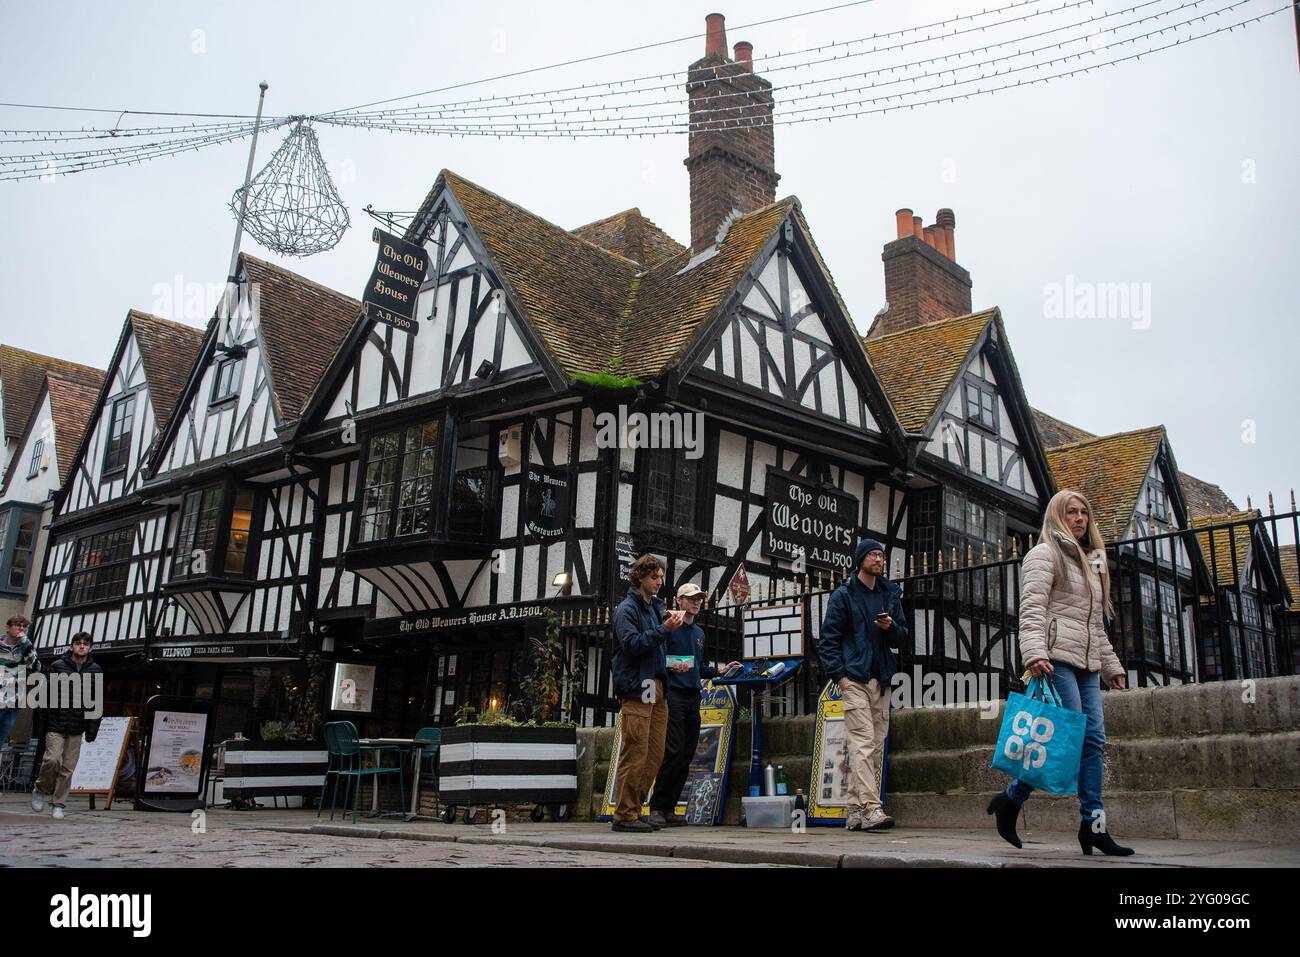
x=1088 y=839
x=1007 y=811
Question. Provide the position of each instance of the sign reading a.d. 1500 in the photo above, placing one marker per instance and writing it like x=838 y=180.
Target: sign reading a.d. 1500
x=810 y=521
x=394 y=285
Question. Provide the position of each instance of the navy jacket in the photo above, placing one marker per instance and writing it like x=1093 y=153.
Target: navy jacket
x=639 y=636
x=688 y=640
x=844 y=643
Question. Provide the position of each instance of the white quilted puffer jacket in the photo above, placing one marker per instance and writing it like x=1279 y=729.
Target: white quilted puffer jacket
x=1064 y=622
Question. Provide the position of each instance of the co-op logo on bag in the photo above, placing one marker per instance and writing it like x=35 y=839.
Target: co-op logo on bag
x=1031 y=754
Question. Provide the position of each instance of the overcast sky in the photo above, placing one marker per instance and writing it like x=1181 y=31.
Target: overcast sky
x=1175 y=173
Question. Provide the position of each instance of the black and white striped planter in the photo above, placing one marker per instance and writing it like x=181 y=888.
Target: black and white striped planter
x=273 y=768
x=485 y=764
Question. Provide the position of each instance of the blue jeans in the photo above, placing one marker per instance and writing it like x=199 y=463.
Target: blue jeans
x=1080 y=690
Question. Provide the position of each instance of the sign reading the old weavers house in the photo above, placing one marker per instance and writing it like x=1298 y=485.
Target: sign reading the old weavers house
x=394 y=285
x=804 y=519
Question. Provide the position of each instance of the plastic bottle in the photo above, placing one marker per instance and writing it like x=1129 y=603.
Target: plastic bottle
x=781 y=788
x=769 y=780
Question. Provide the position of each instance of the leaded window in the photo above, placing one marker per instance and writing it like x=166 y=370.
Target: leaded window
x=981 y=405
x=401 y=471
x=117 y=450
x=101 y=567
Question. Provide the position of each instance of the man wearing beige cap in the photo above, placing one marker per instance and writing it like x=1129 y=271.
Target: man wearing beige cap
x=683 y=707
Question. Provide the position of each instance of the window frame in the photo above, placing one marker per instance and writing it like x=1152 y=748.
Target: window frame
x=71 y=599
x=236 y=378
x=440 y=487
x=38 y=453
x=988 y=392
x=229 y=493
x=12 y=517
x=109 y=467
x=700 y=527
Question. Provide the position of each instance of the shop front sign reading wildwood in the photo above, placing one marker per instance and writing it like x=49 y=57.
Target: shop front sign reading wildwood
x=809 y=520
x=395 y=282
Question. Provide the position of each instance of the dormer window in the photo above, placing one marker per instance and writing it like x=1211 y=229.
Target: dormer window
x=117 y=449
x=226 y=378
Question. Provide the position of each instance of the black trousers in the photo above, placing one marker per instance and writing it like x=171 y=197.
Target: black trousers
x=679 y=748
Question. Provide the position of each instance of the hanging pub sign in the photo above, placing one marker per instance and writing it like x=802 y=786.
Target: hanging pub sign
x=549 y=502
x=811 y=521
x=394 y=285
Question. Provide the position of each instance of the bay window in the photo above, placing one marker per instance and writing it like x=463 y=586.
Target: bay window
x=215 y=535
x=400 y=475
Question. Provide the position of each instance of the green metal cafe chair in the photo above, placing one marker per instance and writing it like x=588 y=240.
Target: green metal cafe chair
x=353 y=772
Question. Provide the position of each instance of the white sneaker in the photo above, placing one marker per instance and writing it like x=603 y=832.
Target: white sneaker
x=38 y=801
x=877 y=820
x=57 y=813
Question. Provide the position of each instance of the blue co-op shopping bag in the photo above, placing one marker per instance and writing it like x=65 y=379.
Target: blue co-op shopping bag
x=1041 y=742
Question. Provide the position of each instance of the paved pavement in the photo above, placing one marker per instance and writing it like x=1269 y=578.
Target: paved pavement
x=270 y=837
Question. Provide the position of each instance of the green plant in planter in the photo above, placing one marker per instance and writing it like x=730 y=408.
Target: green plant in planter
x=279 y=731
x=303 y=699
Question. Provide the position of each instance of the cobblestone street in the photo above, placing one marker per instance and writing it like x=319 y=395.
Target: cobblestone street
x=130 y=839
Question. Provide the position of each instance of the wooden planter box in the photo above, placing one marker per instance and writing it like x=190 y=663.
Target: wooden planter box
x=482 y=765
x=274 y=769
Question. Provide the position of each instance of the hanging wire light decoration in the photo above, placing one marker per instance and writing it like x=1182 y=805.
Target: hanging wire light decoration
x=293 y=207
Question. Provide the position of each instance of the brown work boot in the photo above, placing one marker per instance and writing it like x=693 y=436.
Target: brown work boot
x=657 y=820
x=675 y=820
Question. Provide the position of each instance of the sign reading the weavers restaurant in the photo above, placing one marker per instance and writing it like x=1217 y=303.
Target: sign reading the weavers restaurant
x=394 y=285
x=549 y=502
x=811 y=520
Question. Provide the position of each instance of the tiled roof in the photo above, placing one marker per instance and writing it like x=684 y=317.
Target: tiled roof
x=917 y=365
x=670 y=306
x=1054 y=431
x=1110 y=471
x=572 y=290
x=599 y=311
x=22 y=375
x=303 y=324
x=632 y=236
x=1290 y=571
x=72 y=403
x=168 y=351
x=1204 y=498
x=1225 y=539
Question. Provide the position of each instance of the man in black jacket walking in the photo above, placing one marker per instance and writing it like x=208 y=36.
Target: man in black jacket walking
x=864 y=620
x=65 y=724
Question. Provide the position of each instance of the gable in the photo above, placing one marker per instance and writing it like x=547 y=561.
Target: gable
x=123 y=405
x=976 y=432
x=202 y=429
x=777 y=340
x=18 y=485
x=465 y=317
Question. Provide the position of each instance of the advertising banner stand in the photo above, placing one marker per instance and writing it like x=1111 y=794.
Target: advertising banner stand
x=101 y=760
x=175 y=749
x=828 y=787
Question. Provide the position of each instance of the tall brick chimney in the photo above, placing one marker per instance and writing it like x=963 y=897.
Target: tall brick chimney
x=731 y=156
x=922 y=279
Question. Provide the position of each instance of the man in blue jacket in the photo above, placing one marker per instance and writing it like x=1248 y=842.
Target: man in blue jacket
x=639 y=672
x=683 y=707
x=864 y=619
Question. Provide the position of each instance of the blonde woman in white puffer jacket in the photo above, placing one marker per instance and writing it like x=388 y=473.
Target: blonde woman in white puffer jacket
x=1064 y=605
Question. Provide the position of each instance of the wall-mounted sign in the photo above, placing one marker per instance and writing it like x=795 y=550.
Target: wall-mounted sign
x=354 y=688
x=805 y=519
x=549 y=502
x=625 y=550
x=773 y=631
x=450 y=618
x=279 y=650
x=394 y=285
x=739 y=586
